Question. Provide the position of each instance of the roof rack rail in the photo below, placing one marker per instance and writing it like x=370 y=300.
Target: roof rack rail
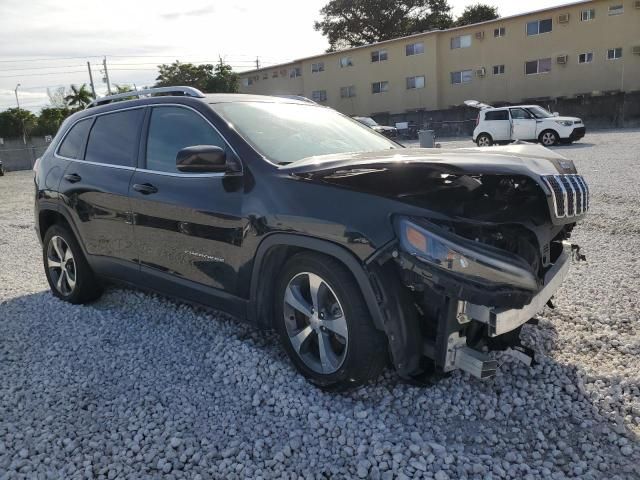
x=181 y=91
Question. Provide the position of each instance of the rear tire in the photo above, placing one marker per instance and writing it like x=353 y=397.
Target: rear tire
x=549 y=138
x=69 y=275
x=484 y=140
x=330 y=340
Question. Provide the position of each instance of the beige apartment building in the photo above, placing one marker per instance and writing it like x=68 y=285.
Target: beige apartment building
x=583 y=48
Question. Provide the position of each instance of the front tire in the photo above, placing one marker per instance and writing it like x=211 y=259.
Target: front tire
x=69 y=275
x=548 y=138
x=324 y=324
x=484 y=140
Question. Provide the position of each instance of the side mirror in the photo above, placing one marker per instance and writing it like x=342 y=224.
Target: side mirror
x=556 y=114
x=201 y=159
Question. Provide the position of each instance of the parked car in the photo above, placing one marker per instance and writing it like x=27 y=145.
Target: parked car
x=391 y=132
x=294 y=217
x=523 y=122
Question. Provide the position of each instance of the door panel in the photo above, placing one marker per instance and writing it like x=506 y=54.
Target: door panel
x=523 y=125
x=187 y=225
x=95 y=186
x=190 y=227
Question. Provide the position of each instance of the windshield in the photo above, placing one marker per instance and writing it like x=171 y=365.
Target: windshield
x=287 y=132
x=539 y=112
x=370 y=122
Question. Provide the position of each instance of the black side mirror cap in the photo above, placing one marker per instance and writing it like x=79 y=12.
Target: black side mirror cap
x=201 y=159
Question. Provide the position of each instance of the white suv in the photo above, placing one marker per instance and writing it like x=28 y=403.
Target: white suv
x=523 y=122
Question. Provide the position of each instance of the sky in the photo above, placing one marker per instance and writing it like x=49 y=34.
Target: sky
x=47 y=43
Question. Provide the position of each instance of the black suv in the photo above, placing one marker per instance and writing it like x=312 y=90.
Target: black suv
x=292 y=216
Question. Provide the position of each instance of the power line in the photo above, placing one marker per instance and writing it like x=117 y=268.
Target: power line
x=40 y=74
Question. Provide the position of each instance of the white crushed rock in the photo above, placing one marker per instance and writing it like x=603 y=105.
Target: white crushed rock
x=137 y=386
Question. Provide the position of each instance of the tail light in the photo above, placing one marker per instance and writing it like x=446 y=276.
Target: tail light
x=477 y=119
x=35 y=165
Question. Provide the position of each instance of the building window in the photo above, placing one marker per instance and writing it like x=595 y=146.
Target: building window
x=346 y=62
x=585 y=57
x=245 y=82
x=414 y=49
x=463 y=41
x=265 y=76
x=415 y=82
x=317 y=67
x=378 y=56
x=499 y=32
x=539 y=26
x=616 y=9
x=319 y=95
x=498 y=69
x=534 y=67
x=614 y=53
x=587 y=15
x=295 y=72
x=463 y=76
x=348 y=92
x=274 y=74
x=379 y=87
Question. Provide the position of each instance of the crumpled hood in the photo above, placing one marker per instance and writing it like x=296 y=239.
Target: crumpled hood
x=519 y=159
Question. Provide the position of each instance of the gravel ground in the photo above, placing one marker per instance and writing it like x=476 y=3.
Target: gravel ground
x=137 y=386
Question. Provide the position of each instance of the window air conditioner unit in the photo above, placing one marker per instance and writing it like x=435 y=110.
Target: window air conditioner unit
x=563 y=18
x=562 y=59
x=636 y=50
x=481 y=72
x=479 y=35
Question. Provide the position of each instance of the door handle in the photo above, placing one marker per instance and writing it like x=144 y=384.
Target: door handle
x=144 y=188
x=72 y=177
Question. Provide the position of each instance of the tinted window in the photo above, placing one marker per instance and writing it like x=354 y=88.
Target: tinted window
x=497 y=115
x=114 y=138
x=73 y=143
x=170 y=130
x=520 y=114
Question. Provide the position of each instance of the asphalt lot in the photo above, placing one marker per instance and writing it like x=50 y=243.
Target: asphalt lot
x=138 y=386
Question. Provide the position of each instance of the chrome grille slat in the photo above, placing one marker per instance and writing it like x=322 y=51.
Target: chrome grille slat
x=569 y=193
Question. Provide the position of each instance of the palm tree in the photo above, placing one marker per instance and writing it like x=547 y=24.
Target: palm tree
x=79 y=97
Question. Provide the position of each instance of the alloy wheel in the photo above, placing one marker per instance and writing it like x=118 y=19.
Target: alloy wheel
x=61 y=265
x=315 y=323
x=483 y=141
x=548 y=138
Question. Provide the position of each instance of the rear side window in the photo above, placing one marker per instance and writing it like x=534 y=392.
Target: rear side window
x=497 y=115
x=73 y=144
x=170 y=130
x=114 y=138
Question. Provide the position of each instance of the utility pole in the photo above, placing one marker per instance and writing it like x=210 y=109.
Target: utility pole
x=257 y=63
x=106 y=75
x=24 y=136
x=93 y=88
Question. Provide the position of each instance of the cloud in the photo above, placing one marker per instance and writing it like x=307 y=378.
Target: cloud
x=189 y=13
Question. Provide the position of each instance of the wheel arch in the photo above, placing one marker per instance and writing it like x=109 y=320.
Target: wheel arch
x=50 y=216
x=276 y=248
x=549 y=129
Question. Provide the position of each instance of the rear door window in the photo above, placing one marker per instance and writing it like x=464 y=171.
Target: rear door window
x=73 y=144
x=114 y=138
x=497 y=115
x=173 y=128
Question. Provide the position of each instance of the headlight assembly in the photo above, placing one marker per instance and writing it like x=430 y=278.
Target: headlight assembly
x=565 y=123
x=457 y=255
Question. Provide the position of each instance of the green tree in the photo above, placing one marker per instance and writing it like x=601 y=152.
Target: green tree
x=352 y=23
x=184 y=74
x=12 y=121
x=477 y=13
x=208 y=78
x=50 y=119
x=224 y=80
x=79 y=98
x=121 y=88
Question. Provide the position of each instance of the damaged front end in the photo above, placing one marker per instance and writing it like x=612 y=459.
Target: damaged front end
x=480 y=251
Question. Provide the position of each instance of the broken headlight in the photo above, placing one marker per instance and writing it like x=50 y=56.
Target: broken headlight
x=444 y=250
